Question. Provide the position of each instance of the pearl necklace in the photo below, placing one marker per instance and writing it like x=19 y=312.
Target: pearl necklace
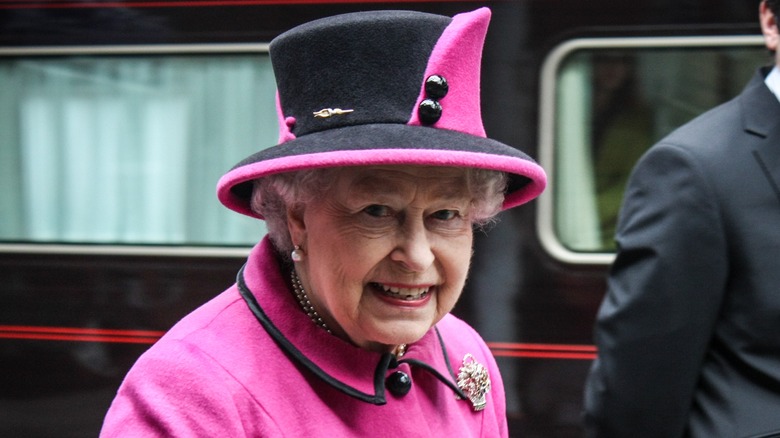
x=303 y=300
x=308 y=308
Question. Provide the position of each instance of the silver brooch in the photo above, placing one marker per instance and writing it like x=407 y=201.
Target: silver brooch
x=327 y=112
x=474 y=381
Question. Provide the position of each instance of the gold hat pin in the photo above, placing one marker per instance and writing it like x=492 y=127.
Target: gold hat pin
x=328 y=112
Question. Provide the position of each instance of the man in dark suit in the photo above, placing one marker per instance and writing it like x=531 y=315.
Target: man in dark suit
x=689 y=331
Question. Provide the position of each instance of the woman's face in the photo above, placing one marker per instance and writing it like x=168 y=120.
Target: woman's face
x=387 y=251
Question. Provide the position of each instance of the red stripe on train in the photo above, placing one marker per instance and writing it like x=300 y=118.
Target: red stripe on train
x=82 y=334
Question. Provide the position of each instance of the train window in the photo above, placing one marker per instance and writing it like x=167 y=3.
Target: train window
x=603 y=103
x=122 y=146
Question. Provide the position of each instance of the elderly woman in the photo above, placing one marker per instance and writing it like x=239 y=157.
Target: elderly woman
x=338 y=324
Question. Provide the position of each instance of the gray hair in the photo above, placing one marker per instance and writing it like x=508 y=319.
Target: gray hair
x=274 y=194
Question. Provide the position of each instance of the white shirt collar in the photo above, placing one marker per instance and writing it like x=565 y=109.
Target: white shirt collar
x=772 y=81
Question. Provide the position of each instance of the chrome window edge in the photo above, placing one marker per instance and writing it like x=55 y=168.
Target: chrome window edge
x=545 y=211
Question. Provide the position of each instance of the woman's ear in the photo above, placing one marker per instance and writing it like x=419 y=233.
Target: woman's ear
x=296 y=225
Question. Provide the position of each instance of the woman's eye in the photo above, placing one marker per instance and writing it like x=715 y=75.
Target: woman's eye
x=377 y=210
x=445 y=215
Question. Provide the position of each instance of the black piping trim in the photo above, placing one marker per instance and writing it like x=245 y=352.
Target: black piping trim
x=436 y=374
x=287 y=346
x=381 y=371
x=444 y=352
x=433 y=371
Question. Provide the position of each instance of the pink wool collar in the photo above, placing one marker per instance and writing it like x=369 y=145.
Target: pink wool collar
x=359 y=374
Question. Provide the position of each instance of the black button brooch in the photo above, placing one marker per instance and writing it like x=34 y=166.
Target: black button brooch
x=399 y=383
x=430 y=109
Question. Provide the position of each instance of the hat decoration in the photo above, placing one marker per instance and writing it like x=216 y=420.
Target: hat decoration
x=381 y=88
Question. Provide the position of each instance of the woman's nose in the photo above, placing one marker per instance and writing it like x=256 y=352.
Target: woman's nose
x=414 y=249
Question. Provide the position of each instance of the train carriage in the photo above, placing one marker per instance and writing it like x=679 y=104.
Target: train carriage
x=104 y=245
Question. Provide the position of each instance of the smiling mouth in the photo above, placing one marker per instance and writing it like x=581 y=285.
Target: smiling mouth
x=402 y=293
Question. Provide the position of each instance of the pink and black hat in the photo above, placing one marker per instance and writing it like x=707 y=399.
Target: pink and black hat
x=379 y=88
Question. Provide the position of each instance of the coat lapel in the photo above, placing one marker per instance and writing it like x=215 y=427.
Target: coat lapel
x=761 y=111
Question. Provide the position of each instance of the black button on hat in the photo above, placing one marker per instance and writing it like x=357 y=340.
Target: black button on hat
x=436 y=87
x=399 y=383
x=429 y=111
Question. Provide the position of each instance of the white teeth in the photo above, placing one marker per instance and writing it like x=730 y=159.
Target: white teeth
x=407 y=294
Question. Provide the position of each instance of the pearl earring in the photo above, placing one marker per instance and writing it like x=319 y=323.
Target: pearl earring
x=297 y=254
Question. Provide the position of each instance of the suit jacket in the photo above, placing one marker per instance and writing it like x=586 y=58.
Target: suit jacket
x=688 y=333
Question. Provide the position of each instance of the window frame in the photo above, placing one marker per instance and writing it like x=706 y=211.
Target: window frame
x=545 y=223
x=131 y=249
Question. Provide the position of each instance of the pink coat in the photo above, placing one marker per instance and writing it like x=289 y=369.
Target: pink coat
x=224 y=371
